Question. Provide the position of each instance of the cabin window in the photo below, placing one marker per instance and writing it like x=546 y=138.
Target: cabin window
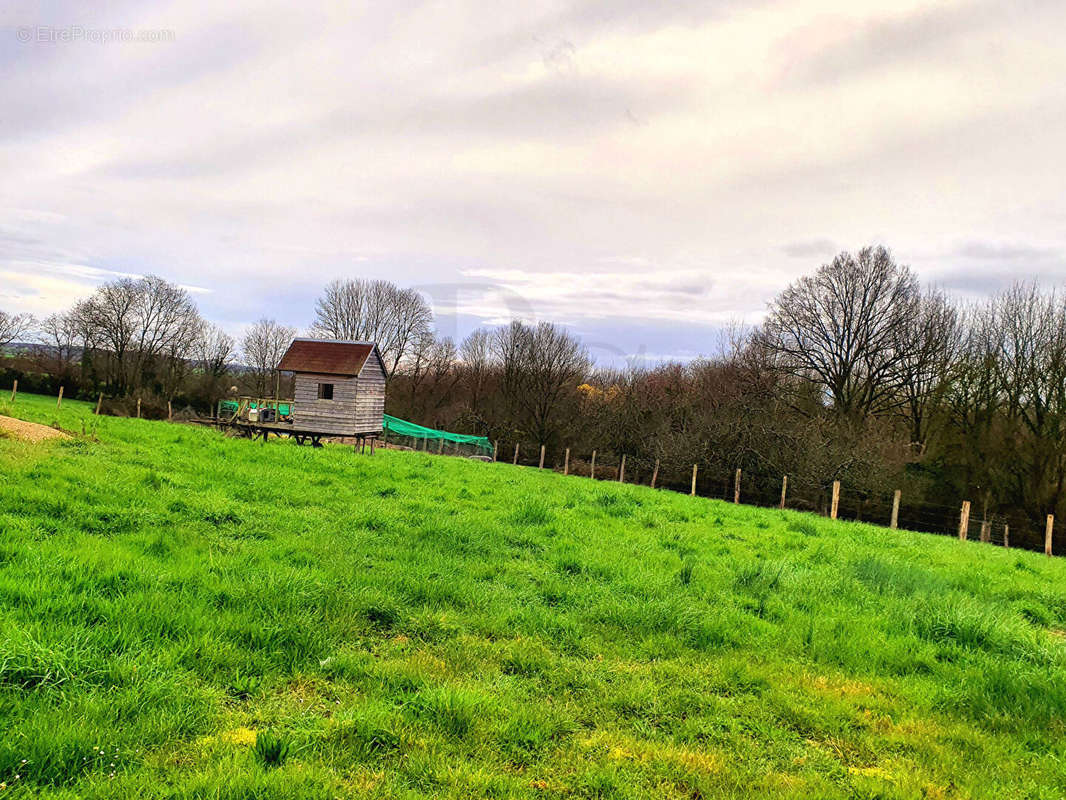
x=325 y=391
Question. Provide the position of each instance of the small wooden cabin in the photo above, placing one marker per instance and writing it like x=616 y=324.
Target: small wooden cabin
x=339 y=387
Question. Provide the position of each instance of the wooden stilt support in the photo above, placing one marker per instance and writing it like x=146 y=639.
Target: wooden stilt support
x=515 y=454
x=14 y=390
x=736 y=487
x=695 y=467
x=99 y=402
x=541 y=465
x=495 y=449
x=784 y=489
x=836 y=500
x=592 y=471
x=655 y=474
x=566 y=462
x=59 y=402
x=895 y=508
x=622 y=470
x=1047 y=534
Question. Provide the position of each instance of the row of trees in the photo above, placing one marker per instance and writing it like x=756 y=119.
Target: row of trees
x=856 y=374
x=144 y=338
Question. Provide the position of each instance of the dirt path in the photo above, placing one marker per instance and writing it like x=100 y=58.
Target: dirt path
x=29 y=431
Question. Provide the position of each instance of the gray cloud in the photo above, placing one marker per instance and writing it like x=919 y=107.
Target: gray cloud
x=810 y=248
x=1007 y=251
x=876 y=45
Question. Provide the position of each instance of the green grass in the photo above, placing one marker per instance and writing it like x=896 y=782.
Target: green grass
x=186 y=615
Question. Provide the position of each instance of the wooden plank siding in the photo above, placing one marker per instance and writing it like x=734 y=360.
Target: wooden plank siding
x=370 y=397
x=328 y=416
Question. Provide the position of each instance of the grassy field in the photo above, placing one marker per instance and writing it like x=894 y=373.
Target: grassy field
x=186 y=615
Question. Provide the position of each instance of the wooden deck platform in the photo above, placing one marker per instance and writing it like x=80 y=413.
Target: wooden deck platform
x=254 y=430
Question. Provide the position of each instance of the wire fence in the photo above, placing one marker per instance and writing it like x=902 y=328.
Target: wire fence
x=793 y=493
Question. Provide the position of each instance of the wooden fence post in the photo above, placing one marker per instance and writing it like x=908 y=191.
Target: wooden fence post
x=784 y=489
x=138 y=408
x=1047 y=534
x=59 y=402
x=99 y=402
x=170 y=412
x=541 y=457
x=736 y=487
x=964 y=520
x=440 y=446
x=495 y=449
x=14 y=390
x=592 y=472
x=515 y=462
x=566 y=462
x=622 y=469
x=425 y=444
x=694 y=468
x=655 y=474
x=895 y=508
x=1006 y=537
x=986 y=531
x=836 y=500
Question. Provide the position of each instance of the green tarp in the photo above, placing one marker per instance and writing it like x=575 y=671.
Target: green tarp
x=401 y=427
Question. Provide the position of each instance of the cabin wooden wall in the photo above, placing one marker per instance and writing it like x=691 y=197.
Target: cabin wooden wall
x=339 y=415
x=370 y=403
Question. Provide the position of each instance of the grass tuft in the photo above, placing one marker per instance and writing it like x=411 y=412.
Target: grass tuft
x=271 y=750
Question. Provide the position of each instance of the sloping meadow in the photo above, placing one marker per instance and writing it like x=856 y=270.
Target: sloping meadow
x=185 y=614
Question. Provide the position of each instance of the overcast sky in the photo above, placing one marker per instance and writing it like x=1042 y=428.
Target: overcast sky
x=641 y=172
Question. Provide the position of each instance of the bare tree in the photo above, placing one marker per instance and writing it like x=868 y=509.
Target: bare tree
x=61 y=341
x=430 y=374
x=373 y=311
x=475 y=355
x=141 y=328
x=928 y=345
x=1032 y=364
x=540 y=366
x=213 y=352
x=13 y=327
x=841 y=328
x=263 y=346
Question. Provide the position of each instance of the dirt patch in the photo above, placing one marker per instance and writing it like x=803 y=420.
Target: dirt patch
x=29 y=431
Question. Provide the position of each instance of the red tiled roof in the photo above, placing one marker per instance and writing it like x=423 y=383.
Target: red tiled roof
x=329 y=357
